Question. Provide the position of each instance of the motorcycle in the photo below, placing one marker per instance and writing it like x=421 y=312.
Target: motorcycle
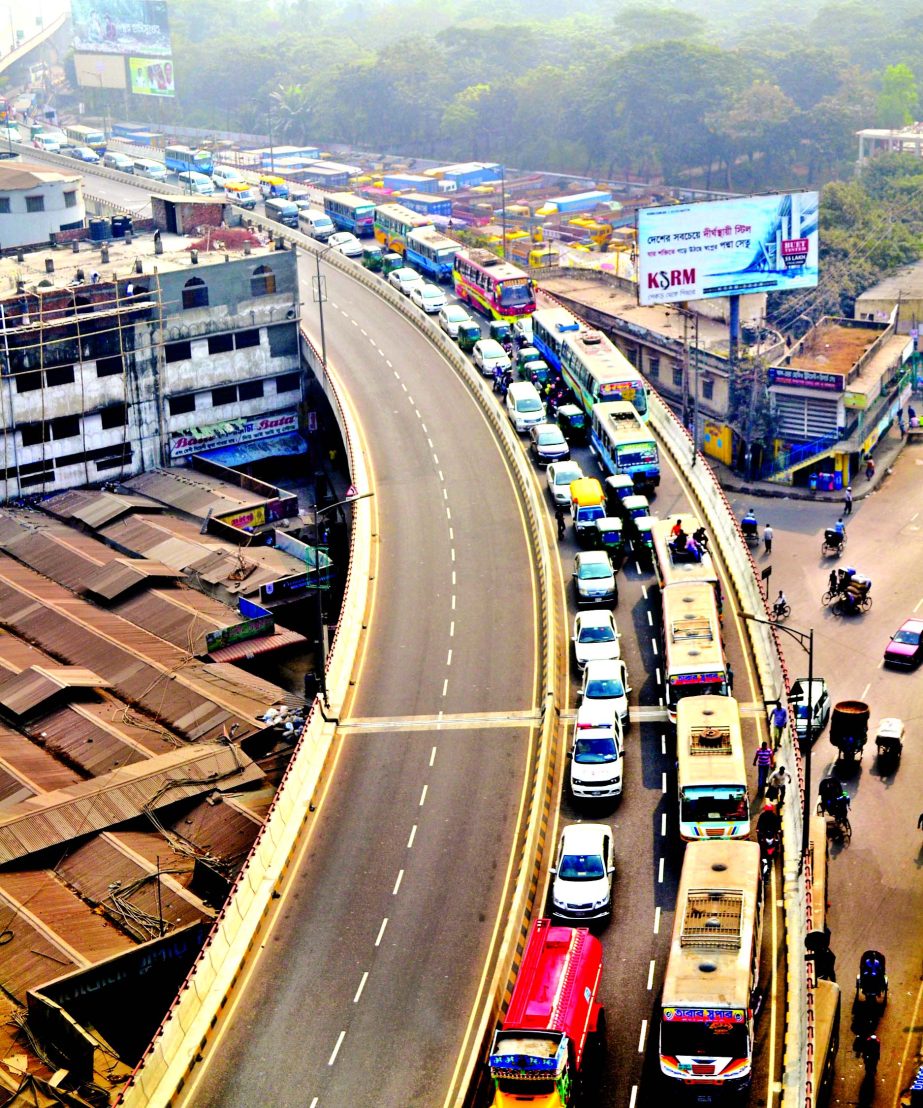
x=769 y=847
x=872 y=980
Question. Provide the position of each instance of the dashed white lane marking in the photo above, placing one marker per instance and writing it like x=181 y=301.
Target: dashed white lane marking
x=637 y=567
x=313 y=1103
x=644 y=591
x=390 y=366
x=657 y=921
x=430 y=444
x=445 y=494
x=633 y=1099
x=432 y=757
x=919 y=602
x=381 y=931
x=453 y=577
x=663 y=744
x=397 y=883
x=660 y=872
x=452 y=629
x=654 y=645
x=441 y=477
x=436 y=458
x=451 y=534
x=658 y=678
x=410 y=398
x=397 y=375
x=336 y=1049
x=650 y=976
x=365 y=978
x=448 y=512
x=413 y=835
x=403 y=386
x=363 y=331
x=663 y=781
x=643 y=1038
x=417 y=410
x=453 y=602
x=865 y=690
x=448 y=660
x=423 y=795
x=650 y=619
x=452 y=552
x=663 y=825
x=445 y=687
x=354 y=322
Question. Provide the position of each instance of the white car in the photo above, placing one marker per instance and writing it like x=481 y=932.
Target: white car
x=402 y=278
x=594 y=578
x=489 y=356
x=583 y=870
x=596 y=757
x=596 y=637
x=450 y=317
x=522 y=330
x=606 y=682
x=560 y=475
x=347 y=243
x=428 y=297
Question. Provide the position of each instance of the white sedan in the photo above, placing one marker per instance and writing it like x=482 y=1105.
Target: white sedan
x=451 y=317
x=347 y=243
x=606 y=683
x=428 y=297
x=560 y=475
x=489 y=356
x=596 y=637
x=583 y=870
x=404 y=278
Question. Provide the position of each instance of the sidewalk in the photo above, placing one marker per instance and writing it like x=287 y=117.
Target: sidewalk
x=884 y=454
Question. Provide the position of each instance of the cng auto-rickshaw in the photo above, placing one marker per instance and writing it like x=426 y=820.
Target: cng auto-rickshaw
x=617 y=487
x=643 y=541
x=390 y=261
x=371 y=257
x=538 y=371
x=501 y=330
x=468 y=335
x=573 y=423
x=610 y=537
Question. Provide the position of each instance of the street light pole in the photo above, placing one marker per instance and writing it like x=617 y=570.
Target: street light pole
x=320 y=297
x=805 y=640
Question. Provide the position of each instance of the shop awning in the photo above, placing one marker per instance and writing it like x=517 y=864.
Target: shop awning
x=246 y=452
x=249 y=648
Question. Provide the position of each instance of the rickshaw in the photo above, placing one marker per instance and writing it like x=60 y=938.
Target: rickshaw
x=538 y=371
x=889 y=739
x=849 y=728
x=855 y=596
x=643 y=541
x=371 y=257
x=390 y=261
x=872 y=980
x=501 y=331
x=833 y=801
x=617 y=487
x=610 y=537
x=573 y=423
x=468 y=335
x=834 y=541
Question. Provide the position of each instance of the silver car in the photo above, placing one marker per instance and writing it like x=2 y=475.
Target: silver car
x=560 y=475
x=451 y=316
x=594 y=578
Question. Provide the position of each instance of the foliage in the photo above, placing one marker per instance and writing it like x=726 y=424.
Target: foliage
x=898 y=98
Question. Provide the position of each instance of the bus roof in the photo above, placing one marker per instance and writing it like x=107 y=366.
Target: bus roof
x=621 y=421
x=669 y=571
x=349 y=198
x=715 y=927
x=598 y=351
x=709 y=746
x=691 y=630
x=499 y=269
x=433 y=238
x=558 y=320
x=398 y=211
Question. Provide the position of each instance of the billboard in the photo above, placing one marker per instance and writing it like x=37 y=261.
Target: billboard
x=137 y=27
x=727 y=247
x=151 y=76
x=100 y=70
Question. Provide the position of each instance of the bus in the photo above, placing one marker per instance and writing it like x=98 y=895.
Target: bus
x=549 y=328
x=712 y=980
x=492 y=286
x=181 y=159
x=624 y=444
x=671 y=566
x=86 y=136
x=711 y=777
x=351 y=213
x=432 y=252
x=596 y=371
x=694 y=661
x=394 y=222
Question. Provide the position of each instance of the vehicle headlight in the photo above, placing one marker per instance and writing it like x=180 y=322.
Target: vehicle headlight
x=601 y=903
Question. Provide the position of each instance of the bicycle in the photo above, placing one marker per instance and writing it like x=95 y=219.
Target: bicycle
x=777 y=614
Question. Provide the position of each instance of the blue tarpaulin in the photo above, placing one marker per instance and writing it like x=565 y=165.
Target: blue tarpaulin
x=243 y=453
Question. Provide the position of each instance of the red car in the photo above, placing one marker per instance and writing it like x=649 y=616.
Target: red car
x=906 y=645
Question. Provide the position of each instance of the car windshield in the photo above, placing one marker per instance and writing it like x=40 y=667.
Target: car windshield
x=455 y=315
x=595 y=752
x=910 y=638
x=592 y=571
x=605 y=688
x=529 y=404
x=581 y=867
x=596 y=634
x=546 y=438
x=567 y=475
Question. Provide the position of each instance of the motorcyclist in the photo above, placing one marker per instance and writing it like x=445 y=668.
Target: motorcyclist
x=780 y=604
x=871 y=1052
x=768 y=824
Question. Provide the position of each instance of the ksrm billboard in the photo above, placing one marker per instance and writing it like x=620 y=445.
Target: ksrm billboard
x=134 y=27
x=727 y=247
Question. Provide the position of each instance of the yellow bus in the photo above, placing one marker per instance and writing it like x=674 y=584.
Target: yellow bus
x=86 y=136
x=678 y=567
x=393 y=223
x=711 y=770
x=711 y=986
x=694 y=659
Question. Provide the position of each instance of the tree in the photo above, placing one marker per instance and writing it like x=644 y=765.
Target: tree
x=291 y=112
x=898 y=99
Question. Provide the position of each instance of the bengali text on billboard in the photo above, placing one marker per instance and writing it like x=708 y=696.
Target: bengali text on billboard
x=750 y=244
x=136 y=27
x=151 y=76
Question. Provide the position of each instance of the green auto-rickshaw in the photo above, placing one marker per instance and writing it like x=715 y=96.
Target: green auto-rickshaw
x=468 y=335
x=390 y=261
x=617 y=487
x=643 y=541
x=372 y=257
x=573 y=423
x=610 y=537
x=501 y=330
x=538 y=371
x=634 y=508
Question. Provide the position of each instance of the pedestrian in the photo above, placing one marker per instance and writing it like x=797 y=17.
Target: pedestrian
x=847 y=501
x=767 y=539
x=775 y=785
x=825 y=965
x=764 y=760
x=730 y=678
x=834 y=582
x=559 y=520
x=920 y=822
x=778 y=719
x=869 y=468
x=900 y=420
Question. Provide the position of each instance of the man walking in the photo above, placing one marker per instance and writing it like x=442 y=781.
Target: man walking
x=764 y=760
x=778 y=720
x=559 y=519
x=767 y=539
x=847 y=501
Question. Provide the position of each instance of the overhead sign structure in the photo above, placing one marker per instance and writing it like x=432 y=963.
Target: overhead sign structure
x=751 y=244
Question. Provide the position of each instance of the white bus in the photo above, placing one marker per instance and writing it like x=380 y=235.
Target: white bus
x=680 y=567
x=694 y=661
x=624 y=444
x=711 y=985
x=549 y=328
x=711 y=770
x=597 y=371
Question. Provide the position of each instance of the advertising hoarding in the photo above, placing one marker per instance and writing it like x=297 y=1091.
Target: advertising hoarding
x=151 y=76
x=751 y=244
x=135 y=27
x=100 y=70
x=232 y=432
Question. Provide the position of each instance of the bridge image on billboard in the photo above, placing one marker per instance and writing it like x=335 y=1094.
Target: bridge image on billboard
x=134 y=27
x=727 y=247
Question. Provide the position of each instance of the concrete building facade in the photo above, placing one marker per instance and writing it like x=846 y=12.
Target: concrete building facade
x=36 y=202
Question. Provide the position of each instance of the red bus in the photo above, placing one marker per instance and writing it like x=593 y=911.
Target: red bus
x=492 y=286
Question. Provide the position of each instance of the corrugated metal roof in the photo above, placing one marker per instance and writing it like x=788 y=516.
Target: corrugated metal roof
x=95 y=508
x=34 y=767
x=23 y=692
x=194 y=493
x=168 y=616
x=31 y=955
x=60 y=553
x=250 y=648
x=122 y=574
x=89 y=806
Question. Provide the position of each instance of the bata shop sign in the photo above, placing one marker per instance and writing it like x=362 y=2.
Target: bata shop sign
x=231 y=432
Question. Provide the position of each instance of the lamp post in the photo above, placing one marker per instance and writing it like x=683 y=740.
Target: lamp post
x=320 y=296
x=805 y=640
x=321 y=629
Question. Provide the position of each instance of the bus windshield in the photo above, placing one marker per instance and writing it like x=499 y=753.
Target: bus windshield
x=681 y=1038
x=637 y=453
x=515 y=295
x=712 y=685
x=713 y=804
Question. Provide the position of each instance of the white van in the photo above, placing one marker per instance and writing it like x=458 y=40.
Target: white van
x=154 y=171
x=316 y=223
x=191 y=181
x=524 y=406
x=221 y=174
x=49 y=143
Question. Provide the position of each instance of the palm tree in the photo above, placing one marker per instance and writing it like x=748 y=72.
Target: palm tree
x=290 y=111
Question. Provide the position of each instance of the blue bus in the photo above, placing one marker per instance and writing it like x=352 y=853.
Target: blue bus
x=427 y=205
x=183 y=158
x=431 y=252
x=549 y=326
x=624 y=444
x=351 y=213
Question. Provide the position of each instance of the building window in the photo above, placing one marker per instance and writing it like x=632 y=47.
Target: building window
x=115 y=462
x=220 y=344
x=35 y=203
x=177 y=351
x=195 y=293
x=38 y=479
x=250 y=390
x=225 y=395
x=653 y=366
x=115 y=415
x=678 y=376
x=180 y=405
x=59 y=375
x=262 y=281
x=70 y=199
x=33 y=434
x=246 y=338
x=708 y=388
x=65 y=427
x=288 y=382
x=109 y=367
x=4 y=205
x=631 y=353
x=28 y=382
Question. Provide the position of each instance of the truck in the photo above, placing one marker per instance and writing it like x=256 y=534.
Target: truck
x=541 y=1052
x=587 y=505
